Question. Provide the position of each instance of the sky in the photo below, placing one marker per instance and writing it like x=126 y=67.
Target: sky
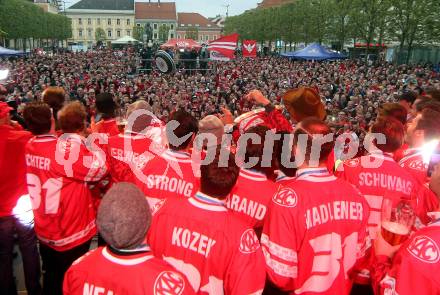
x=207 y=8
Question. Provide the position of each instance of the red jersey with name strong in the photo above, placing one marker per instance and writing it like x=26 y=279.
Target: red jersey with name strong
x=315 y=233
x=127 y=152
x=251 y=196
x=415 y=269
x=201 y=238
x=57 y=172
x=170 y=174
x=110 y=272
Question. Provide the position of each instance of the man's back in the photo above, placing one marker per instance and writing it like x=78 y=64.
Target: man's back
x=215 y=250
x=107 y=271
x=314 y=234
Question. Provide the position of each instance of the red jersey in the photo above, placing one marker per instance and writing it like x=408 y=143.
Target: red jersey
x=126 y=152
x=57 y=172
x=107 y=126
x=250 y=198
x=413 y=163
x=415 y=269
x=378 y=175
x=170 y=174
x=315 y=232
x=108 y=271
x=201 y=238
x=12 y=169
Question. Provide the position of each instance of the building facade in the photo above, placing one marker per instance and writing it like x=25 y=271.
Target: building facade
x=114 y=17
x=52 y=6
x=194 y=22
x=152 y=16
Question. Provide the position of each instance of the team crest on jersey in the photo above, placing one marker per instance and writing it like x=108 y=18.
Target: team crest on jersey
x=417 y=165
x=156 y=206
x=286 y=197
x=249 y=242
x=424 y=249
x=169 y=283
x=352 y=163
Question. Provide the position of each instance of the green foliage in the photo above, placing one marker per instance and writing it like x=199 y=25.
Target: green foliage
x=340 y=21
x=192 y=33
x=138 y=33
x=21 y=19
x=164 y=29
x=100 y=35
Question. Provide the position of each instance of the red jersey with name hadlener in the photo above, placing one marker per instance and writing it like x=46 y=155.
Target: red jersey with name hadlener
x=315 y=234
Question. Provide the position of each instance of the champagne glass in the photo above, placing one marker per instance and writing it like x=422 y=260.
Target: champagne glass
x=121 y=120
x=398 y=217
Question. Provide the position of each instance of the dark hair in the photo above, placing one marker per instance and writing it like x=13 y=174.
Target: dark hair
x=408 y=96
x=187 y=124
x=392 y=129
x=434 y=93
x=105 y=105
x=37 y=116
x=427 y=104
x=278 y=151
x=216 y=180
x=429 y=123
x=72 y=117
x=54 y=97
x=312 y=127
x=257 y=150
x=394 y=110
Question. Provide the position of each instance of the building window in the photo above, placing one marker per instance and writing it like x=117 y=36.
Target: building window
x=182 y=25
x=109 y=21
x=209 y=25
x=155 y=36
x=171 y=35
x=128 y=33
x=128 y=21
x=172 y=27
x=178 y=36
x=214 y=37
x=207 y=37
x=189 y=25
x=80 y=33
x=89 y=21
x=155 y=26
x=109 y=33
x=118 y=33
x=89 y=32
x=80 y=22
x=98 y=20
x=118 y=21
x=197 y=25
x=138 y=25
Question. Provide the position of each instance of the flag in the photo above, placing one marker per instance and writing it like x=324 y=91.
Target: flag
x=249 y=48
x=223 y=48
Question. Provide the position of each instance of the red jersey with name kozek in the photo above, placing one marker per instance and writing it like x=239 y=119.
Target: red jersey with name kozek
x=216 y=251
x=110 y=272
x=58 y=170
x=315 y=234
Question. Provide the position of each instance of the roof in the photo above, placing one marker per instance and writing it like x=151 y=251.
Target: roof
x=162 y=10
x=104 y=4
x=193 y=19
x=272 y=3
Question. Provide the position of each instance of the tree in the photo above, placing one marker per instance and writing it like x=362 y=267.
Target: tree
x=192 y=33
x=164 y=30
x=138 y=33
x=100 y=35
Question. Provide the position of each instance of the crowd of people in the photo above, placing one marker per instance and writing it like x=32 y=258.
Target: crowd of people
x=187 y=180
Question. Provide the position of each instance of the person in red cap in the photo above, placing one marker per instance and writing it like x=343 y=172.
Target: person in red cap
x=16 y=217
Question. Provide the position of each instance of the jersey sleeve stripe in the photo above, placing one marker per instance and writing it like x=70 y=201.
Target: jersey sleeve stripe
x=278 y=250
x=280 y=268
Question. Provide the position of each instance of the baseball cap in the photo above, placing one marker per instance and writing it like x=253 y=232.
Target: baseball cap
x=304 y=102
x=4 y=109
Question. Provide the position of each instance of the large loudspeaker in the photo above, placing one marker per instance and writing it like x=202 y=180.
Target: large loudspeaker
x=164 y=62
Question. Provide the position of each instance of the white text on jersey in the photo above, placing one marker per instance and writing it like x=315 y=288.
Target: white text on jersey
x=95 y=290
x=248 y=207
x=38 y=162
x=192 y=240
x=390 y=182
x=337 y=210
x=174 y=185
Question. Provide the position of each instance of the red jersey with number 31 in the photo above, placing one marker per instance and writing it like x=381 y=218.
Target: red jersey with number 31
x=57 y=172
x=314 y=234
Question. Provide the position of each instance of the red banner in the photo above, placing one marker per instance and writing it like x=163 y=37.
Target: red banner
x=224 y=47
x=249 y=48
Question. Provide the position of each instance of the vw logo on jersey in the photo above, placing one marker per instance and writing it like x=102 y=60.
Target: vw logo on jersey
x=169 y=283
x=249 y=242
x=424 y=249
x=418 y=165
x=286 y=197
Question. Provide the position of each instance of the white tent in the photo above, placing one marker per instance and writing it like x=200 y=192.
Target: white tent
x=125 y=40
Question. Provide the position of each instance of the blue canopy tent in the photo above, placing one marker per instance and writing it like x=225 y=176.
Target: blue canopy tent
x=314 y=51
x=5 y=52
